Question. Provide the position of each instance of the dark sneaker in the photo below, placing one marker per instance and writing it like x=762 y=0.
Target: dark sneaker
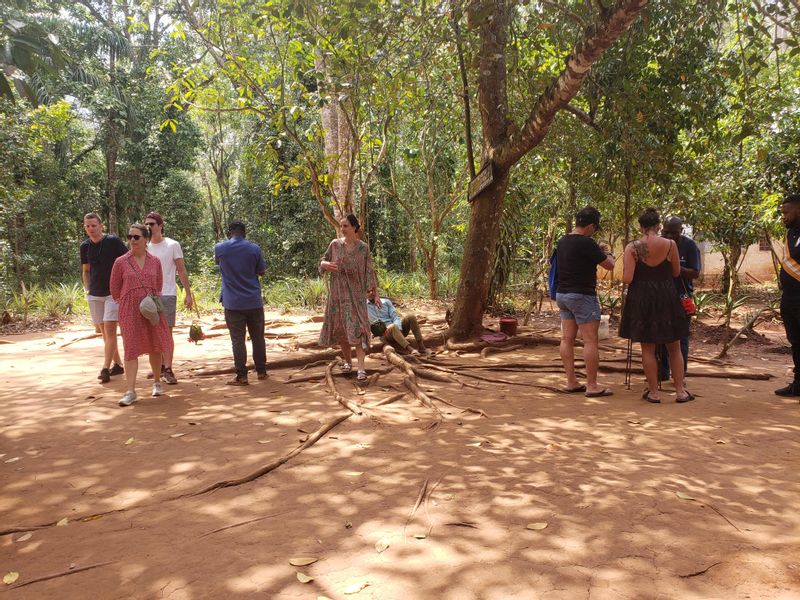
x=793 y=389
x=105 y=376
x=169 y=377
x=116 y=370
x=263 y=375
x=238 y=381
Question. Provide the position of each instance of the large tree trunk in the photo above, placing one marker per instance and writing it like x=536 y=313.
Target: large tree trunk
x=504 y=144
x=473 y=287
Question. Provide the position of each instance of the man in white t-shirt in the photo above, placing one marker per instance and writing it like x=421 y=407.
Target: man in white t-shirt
x=169 y=252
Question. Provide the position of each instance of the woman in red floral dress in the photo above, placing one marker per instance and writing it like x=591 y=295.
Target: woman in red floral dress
x=133 y=276
x=352 y=281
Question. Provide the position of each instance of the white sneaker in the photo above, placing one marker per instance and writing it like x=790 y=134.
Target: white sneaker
x=128 y=399
x=157 y=389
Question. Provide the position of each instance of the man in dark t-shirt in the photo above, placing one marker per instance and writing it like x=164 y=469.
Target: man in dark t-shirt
x=98 y=254
x=577 y=257
x=790 y=286
x=689 y=255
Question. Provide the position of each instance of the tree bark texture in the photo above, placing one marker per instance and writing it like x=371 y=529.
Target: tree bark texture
x=504 y=144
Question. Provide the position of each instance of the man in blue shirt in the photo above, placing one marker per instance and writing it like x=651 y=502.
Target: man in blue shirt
x=387 y=324
x=241 y=262
x=689 y=254
x=790 y=287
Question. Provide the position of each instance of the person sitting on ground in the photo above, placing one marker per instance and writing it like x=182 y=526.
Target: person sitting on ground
x=386 y=324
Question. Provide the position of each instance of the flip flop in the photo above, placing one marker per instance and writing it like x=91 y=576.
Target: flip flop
x=575 y=390
x=687 y=398
x=649 y=398
x=603 y=392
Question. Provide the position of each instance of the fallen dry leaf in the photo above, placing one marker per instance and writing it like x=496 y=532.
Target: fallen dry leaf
x=721 y=442
x=25 y=538
x=356 y=587
x=303 y=578
x=347 y=524
x=536 y=526
x=302 y=439
x=130 y=441
x=177 y=435
x=381 y=545
x=264 y=441
x=634 y=422
x=420 y=536
x=10 y=577
x=302 y=561
x=63 y=522
x=11 y=460
x=684 y=496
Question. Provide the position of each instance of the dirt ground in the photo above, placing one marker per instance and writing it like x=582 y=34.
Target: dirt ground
x=549 y=495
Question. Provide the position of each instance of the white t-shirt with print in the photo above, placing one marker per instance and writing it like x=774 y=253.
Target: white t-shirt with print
x=167 y=251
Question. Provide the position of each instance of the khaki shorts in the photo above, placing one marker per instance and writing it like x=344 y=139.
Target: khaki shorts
x=170 y=308
x=102 y=308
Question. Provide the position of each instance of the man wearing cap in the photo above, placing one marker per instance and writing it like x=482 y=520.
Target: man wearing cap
x=241 y=263
x=577 y=257
x=98 y=253
x=169 y=253
x=790 y=287
x=689 y=254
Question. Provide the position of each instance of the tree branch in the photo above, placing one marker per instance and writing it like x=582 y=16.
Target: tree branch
x=574 y=16
x=582 y=116
x=597 y=39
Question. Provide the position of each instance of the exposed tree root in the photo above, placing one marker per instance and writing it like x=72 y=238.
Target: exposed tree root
x=411 y=384
x=701 y=572
x=695 y=374
x=80 y=339
x=495 y=350
x=492 y=379
x=312 y=439
x=390 y=399
x=533 y=340
x=304 y=378
x=306 y=358
x=60 y=574
x=468 y=409
x=348 y=404
x=240 y=524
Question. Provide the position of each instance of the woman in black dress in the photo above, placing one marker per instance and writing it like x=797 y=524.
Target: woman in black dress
x=653 y=313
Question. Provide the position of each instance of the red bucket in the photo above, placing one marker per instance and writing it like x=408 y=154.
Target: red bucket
x=508 y=325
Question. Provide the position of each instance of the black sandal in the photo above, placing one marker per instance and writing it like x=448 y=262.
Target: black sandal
x=649 y=398
x=687 y=398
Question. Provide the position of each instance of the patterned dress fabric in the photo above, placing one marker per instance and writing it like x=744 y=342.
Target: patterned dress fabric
x=127 y=281
x=653 y=312
x=346 y=309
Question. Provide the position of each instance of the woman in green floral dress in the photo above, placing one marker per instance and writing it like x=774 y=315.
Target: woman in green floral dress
x=352 y=281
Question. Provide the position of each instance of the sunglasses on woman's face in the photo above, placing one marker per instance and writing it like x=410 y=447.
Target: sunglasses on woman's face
x=135 y=237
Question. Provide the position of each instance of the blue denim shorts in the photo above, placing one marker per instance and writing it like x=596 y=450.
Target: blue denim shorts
x=580 y=308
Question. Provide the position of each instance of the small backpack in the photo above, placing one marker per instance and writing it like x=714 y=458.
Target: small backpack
x=552 y=276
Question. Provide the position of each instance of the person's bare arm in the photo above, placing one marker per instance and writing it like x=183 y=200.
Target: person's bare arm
x=674 y=259
x=628 y=264
x=183 y=275
x=85 y=277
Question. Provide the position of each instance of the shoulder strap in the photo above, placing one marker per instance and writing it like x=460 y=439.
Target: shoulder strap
x=139 y=277
x=790 y=265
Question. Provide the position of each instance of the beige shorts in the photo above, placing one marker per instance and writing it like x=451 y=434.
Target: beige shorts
x=102 y=308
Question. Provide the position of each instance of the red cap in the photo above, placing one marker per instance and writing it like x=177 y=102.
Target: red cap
x=156 y=217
